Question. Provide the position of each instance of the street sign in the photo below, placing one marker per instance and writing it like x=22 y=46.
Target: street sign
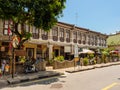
x=15 y=41
x=20 y=53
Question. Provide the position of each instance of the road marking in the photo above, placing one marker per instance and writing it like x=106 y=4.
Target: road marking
x=110 y=86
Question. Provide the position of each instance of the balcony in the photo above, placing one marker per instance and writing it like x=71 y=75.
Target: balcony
x=75 y=40
x=62 y=39
x=55 y=38
x=84 y=42
x=79 y=41
x=89 y=43
x=68 y=40
x=44 y=37
x=35 y=36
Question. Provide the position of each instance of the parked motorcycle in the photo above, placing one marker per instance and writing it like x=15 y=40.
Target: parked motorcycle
x=29 y=67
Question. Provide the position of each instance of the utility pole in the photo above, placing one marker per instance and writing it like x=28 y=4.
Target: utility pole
x=76 y=18
x=13 y=62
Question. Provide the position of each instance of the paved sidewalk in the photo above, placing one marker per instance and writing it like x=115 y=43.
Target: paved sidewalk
x=84 y=68
x=6 y=80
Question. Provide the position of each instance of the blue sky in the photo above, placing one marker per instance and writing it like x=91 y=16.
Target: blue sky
x=97 y=15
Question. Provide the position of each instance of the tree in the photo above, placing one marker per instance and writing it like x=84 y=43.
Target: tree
x=39 y=13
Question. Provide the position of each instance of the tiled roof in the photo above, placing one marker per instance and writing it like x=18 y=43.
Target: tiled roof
x=113 y=39
x=85 y=29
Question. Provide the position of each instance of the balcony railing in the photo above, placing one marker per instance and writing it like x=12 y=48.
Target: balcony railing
x=84 y=42
x=44 y=37
x=75 y=40
x=62 y=39
x=35 y=36
x=55 y=38
x=67 y=39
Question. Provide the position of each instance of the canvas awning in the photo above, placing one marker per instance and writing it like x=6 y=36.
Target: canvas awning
x=114 y=51
x=85 y=51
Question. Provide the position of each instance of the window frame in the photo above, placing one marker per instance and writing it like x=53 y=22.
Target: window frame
x=27 y=28
x=68 y=34
x=75 y=35
x=6 y=24
x=61 y=32
x=55 y=31
x=35 y=33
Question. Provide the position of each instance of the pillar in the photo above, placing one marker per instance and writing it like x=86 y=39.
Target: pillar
x=50 y=52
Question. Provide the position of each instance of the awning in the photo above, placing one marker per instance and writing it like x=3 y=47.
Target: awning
x=84 y=51
x=114 y=51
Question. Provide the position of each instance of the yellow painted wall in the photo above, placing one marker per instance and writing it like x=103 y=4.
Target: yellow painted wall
x=56 y=47
x=28 y=45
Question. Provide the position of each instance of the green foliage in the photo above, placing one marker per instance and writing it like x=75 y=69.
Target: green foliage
x=91 y=56
x=59 y=58
x=95 y=61
x=113 y=40
x=105 y=59
x=50 y=62
x=42 y=14
x=22 y=59
x=85 y=61
x=105 y=51
x=53 y=54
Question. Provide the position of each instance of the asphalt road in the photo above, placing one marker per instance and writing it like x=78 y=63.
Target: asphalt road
x=107 y=78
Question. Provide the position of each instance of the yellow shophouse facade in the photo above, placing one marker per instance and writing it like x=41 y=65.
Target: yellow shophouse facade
x=60 y=40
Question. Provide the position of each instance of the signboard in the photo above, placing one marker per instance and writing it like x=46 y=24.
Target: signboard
x=15 y=41
x=76 y=59
x=67 y=49
x=20 y=53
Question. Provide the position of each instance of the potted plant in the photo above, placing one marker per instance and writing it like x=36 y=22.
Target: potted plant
x=85 y=61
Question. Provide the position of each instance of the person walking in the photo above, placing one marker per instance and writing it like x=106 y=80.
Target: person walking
x=7 y=67
x=81 y=62
x=0 y=73
x=3 y=67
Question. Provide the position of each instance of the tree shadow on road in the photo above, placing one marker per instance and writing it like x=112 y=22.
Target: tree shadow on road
x=45 y=81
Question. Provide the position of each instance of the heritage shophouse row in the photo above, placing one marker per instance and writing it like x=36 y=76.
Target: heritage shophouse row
x=61 y=40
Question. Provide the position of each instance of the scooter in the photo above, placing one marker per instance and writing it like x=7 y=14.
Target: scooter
x=29 y=67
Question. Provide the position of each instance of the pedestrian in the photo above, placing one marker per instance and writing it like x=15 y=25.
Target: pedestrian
x=78 y=63
x=81 y=62
x=7 y=67
x=3 y=67
x=0 y=73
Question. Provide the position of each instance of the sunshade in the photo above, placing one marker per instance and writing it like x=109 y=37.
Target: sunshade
x=114 y=51
x=86 y=51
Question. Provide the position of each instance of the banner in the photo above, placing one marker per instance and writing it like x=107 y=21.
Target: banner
x=67 y=49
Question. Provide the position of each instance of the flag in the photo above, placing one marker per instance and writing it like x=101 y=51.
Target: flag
x=9 y=30
x=10 y=45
